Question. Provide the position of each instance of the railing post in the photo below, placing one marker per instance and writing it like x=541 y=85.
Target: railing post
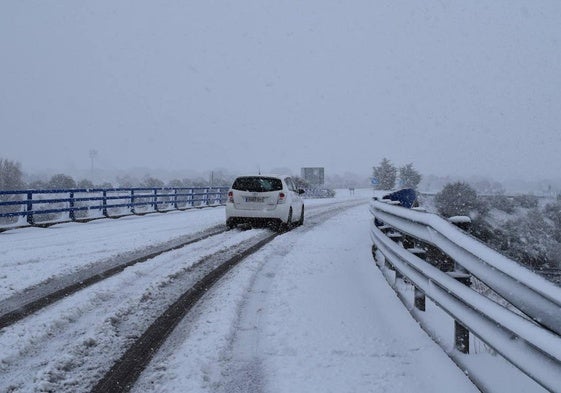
x=175 y=206
x=461 y=337
x=420 y=300
x=218 y=197
x=132 y=202
x=461 y=333
x=155 y=204
x=104 y=202
x=205 y=199
x=30 y=208
x=71 y=214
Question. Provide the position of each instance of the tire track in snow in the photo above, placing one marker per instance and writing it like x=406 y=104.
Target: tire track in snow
x=38 y=297
x=68 y=346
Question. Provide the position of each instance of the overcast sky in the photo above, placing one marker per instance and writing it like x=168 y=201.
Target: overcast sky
x=456 y=87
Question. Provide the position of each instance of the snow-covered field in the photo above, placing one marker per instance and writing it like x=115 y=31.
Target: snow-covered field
x=309 y=312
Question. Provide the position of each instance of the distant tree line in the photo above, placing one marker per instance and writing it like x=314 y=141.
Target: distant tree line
x=12 y=178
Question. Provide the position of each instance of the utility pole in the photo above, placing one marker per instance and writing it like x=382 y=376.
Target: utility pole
x=93 y=155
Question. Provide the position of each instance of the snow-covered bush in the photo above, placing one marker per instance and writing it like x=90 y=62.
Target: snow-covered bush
x=530 y=240
x=526 y=201
x=516 y=227
x=553 y=212
x=456 y=199
x=502 y=202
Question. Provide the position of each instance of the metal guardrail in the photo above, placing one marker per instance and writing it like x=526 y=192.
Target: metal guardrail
x=36 y=204
x=531 y=341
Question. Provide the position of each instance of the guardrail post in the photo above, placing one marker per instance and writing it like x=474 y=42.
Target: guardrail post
x=104 y=203
x=205 y=199
x=132 y=202
x=71 y=213
x=190 y=199
x=420 y=300
x=30 y=208
x=396 y=237
x=461 y=333
x=175 y=206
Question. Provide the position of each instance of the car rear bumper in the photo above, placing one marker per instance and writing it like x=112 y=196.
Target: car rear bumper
x=280 y=212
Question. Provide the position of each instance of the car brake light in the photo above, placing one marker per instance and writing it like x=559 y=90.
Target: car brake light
x=282 y=198
x=230 y=197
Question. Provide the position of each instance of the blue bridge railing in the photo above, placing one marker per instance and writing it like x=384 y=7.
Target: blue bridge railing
x=37 y=207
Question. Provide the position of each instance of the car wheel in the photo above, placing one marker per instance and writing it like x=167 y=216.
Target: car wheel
x=288 y=225
x=230 y=224
x=301 y=222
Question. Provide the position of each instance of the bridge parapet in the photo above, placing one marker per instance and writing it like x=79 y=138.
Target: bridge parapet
x=44 y=207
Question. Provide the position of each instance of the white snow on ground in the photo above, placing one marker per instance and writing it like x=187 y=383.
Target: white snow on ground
x=309 y=313
x=33 y=255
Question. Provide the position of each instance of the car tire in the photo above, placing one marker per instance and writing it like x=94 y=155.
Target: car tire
x=284 y=227
x=301 y=222
x=230 y=224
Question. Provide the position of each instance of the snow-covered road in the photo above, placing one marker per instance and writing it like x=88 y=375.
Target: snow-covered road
x=309 y=312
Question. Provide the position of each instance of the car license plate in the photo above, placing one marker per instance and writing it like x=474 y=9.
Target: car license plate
x=254 y=199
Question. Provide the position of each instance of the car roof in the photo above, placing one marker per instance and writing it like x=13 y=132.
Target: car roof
x=265 y=175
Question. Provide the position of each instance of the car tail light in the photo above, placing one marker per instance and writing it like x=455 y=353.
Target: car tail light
x=231 y=196
x=282 y=197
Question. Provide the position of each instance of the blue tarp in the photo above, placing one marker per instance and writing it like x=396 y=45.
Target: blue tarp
x=406 y=197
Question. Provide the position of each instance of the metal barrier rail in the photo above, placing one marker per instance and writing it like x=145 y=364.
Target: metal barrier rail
x=33 y=203
x=532 y=344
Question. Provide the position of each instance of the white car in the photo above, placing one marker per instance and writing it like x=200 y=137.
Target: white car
x=271 y=200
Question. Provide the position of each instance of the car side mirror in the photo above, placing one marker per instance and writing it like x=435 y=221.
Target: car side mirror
x=301 y=191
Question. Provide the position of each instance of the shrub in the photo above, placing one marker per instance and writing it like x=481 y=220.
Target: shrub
x=456 y=199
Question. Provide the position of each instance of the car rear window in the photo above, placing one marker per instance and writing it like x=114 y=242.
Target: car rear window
x=257 y=184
